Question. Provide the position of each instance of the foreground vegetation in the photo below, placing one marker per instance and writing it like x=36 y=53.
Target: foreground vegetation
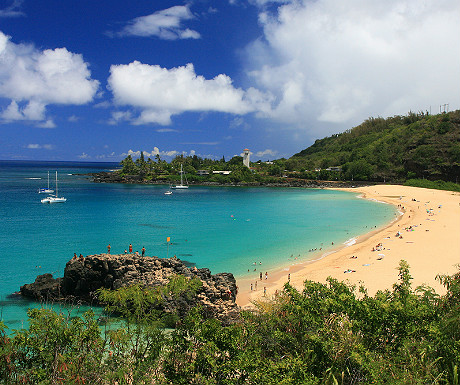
x=325 y=334
x=437 y=185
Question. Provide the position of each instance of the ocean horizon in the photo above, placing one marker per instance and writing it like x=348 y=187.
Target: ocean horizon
x=225 y=229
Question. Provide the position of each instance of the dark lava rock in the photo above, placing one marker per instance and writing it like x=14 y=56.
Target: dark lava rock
x=45 y=288
x=83 y=276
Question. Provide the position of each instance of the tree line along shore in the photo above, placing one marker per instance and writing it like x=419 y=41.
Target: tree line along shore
x=418 y=149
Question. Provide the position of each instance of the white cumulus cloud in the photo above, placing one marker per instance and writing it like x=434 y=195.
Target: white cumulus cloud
x=12 y=10
x=35 y=146
x=161 y=130
x=33 y=110
x=265 y=153
x=47 y=124
x=334 y=62
x=158 y=93
x=165 y=24
x=33 y=79
x=156 y=151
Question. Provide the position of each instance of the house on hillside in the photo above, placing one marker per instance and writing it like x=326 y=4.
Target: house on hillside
x=222 y=172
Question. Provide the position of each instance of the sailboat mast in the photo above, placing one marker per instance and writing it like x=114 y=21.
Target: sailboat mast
x=48 y=180
x=57 y=194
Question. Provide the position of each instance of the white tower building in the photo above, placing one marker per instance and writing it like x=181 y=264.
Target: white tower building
x=246 y=157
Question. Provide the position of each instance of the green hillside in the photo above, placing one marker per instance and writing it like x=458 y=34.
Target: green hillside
x=394 y=149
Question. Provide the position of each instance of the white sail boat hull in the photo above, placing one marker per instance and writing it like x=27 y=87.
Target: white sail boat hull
x=46 y=190
x=181 y=185
x=54 y=198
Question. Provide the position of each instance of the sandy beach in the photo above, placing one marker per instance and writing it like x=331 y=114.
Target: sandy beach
x=429 y=240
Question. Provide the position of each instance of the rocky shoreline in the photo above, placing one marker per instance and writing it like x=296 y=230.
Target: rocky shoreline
x=83 y=276
x=116 y=177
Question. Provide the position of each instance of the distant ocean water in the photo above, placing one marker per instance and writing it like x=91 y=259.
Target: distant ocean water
x=226 y=229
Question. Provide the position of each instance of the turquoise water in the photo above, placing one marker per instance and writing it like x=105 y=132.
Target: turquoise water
x=224 y=229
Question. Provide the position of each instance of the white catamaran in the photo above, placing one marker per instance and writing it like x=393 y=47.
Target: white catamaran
x=46 y=190
x=181 y=185
x=54 y=198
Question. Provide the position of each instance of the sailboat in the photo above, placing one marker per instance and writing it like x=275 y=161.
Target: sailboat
x=168 y=192
x=181 y=185
x=46 y=190
x=54 y=198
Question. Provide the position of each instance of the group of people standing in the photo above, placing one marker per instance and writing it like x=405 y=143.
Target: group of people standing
x=79 y=257
x=254 y=286
x=130 y=248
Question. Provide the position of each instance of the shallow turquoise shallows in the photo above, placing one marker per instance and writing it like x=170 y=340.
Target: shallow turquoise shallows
x=226 y=229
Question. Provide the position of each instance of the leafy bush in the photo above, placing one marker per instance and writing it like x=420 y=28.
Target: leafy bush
x=325 y=334
x=437 y=185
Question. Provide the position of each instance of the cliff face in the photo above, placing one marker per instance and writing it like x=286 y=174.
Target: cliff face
x=82 y=277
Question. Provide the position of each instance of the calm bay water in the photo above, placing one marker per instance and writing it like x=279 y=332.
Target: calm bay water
x=224 y=229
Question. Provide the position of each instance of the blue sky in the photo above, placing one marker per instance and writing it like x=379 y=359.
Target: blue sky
x=97 y=80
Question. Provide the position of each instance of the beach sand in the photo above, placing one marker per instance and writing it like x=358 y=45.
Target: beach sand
x=430 y=228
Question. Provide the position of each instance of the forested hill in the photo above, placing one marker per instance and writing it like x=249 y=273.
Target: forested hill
x=396 y=148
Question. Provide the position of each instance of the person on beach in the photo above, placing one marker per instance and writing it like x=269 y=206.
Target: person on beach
x=256 y=285
x=130 y=248
x=265 y=291
x=266 y=275
x=260 y=276
x=143 y=250
x=289 y=277
x=251 y=286
x=108 y=248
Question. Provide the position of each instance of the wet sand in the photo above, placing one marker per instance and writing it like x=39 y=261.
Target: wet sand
x=429 y=225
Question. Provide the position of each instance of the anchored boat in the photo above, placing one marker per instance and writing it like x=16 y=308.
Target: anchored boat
x=54 y=198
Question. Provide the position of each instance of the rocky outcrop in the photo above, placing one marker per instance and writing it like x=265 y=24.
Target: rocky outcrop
x=83 y=276
x=45 y=288
x=115 y=177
